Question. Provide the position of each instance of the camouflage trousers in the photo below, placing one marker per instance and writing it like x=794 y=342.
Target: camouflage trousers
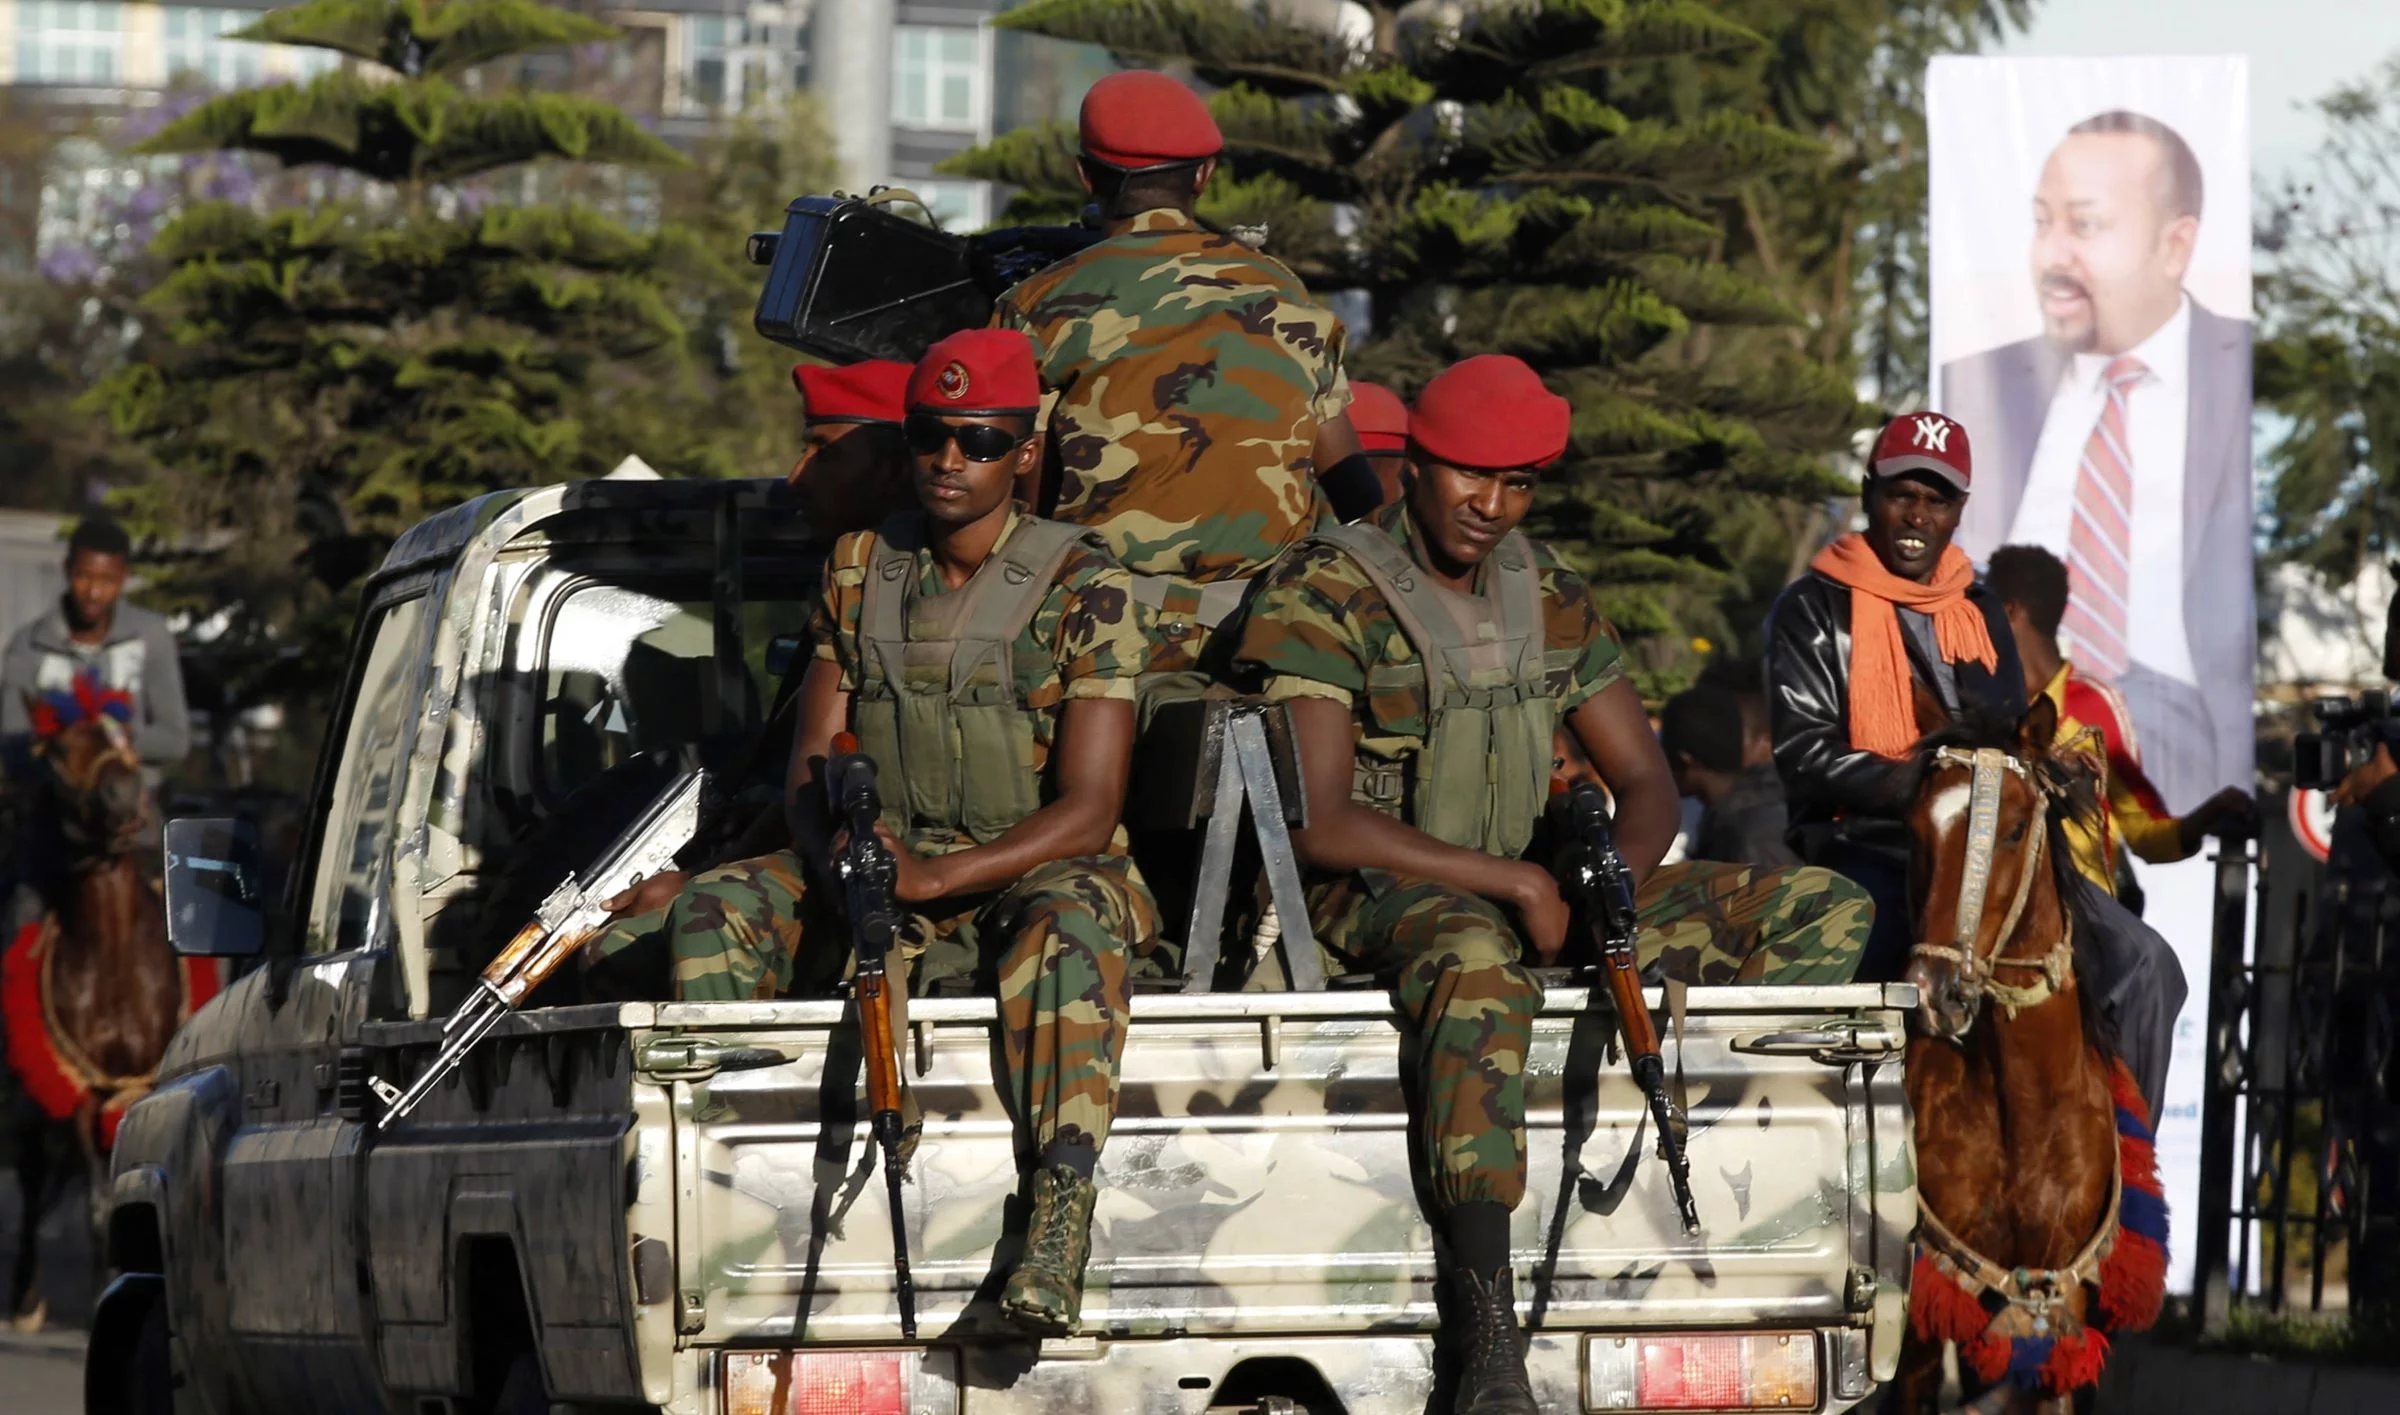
x=1053 y=948
x=1457 y=973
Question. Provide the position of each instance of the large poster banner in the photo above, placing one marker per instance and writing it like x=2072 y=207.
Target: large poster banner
x=2090 y=281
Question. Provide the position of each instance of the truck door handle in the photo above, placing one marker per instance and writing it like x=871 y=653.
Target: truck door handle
x=263 y=1094
x=697 y=1058
x=1840 y=1045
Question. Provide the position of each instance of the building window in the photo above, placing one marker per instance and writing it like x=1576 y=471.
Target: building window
x=68 y=41
x=196 y=44
x=712 y=79
x=937 y=77
x=956 y=205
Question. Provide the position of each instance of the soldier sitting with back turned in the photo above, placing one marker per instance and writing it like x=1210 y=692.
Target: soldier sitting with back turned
x=1199 y=389
x=1002 y=796
x=1425 y=786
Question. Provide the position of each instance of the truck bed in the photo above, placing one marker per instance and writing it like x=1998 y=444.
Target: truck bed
x=1259 y=1180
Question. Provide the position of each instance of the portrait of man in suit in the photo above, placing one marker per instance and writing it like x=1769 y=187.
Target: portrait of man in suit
x=2118 y=439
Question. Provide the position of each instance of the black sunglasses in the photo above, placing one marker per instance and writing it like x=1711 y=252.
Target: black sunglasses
x=928 y=434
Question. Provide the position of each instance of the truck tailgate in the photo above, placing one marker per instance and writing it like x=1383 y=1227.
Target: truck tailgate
x=1259 y=1179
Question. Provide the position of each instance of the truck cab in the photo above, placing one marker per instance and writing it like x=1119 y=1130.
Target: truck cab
x=673 y=1206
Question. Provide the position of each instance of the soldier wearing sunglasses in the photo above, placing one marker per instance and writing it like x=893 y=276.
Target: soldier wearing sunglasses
x=987 y=661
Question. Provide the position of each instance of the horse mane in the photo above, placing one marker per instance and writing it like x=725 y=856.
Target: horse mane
x=2074 y=790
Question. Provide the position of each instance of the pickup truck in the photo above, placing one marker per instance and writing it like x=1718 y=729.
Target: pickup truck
x=668 y=1206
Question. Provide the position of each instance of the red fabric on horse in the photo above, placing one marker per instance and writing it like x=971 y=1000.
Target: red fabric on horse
x=1986 y=1355
x=53 y=1084
x=47 y=1080
x=2076 y=1361
x=1939 y=1309
x=2133 y=1277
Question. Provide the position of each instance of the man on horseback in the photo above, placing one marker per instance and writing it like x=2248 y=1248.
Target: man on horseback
x=1428 y=654
x=90 y=655
x=2032 y=585
x=1880 y=616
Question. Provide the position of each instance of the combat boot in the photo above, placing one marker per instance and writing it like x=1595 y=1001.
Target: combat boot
x=1491 y=1351
x=1045 y=1294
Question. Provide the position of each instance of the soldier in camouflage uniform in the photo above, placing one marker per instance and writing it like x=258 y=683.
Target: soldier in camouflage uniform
x=969 y=647
x=1198 y=389
x=1425 y=789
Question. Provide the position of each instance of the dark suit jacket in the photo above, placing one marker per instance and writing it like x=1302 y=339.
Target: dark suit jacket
x=2002 y=398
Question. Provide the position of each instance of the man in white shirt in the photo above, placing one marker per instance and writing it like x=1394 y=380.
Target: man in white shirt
x=2119 y=440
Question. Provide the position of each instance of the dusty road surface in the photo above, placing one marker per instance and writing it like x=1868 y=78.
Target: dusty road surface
x=43 y=1374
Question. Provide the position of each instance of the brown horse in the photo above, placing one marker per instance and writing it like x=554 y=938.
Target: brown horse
x=2009 y=1076
x=93 y=990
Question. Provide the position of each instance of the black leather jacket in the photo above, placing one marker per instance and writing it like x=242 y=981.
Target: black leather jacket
x=1835 y=791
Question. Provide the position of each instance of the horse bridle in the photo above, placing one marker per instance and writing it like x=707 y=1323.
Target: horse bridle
x=1990 y=765
x=120 y=750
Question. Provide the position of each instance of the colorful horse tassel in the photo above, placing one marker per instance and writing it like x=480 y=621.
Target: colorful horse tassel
x=1948 y=1303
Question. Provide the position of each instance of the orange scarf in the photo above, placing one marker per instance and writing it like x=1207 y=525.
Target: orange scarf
x=1883 y=714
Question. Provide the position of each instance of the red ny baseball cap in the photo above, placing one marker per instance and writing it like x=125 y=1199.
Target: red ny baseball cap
x=1924 y=442
x=1143 y=118
x=868 y=392
x=977 y=372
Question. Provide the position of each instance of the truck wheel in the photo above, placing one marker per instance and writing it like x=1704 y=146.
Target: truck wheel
x=150 y=1382
x=130 y=1368
x=521 y=1391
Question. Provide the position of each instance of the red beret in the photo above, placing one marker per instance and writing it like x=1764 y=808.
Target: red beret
x=1379 y=417
x=1924 y=442
x=867 y=392
x=1143 y=118
x=1489 y=412
x=977 y=371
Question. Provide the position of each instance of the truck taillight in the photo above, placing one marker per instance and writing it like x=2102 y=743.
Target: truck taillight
x=822 y=1382
x=1701 y=1371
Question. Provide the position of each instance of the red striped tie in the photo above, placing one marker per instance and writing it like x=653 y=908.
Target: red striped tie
x=2100 y=547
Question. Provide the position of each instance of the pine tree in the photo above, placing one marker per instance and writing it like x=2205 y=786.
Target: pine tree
x=2329 y=348
x=1525 y=181
x=315 y=379
x=1601 y=187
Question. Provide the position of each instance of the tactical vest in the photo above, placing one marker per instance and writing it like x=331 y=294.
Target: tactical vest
x=937 y=707
x=1482 y=772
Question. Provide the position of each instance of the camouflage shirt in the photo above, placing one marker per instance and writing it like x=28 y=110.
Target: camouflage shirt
x=1318 y=624
x=1190 y=374
x=1087 y=639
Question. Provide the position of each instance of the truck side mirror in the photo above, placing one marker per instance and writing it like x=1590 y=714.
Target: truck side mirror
x=214 y=903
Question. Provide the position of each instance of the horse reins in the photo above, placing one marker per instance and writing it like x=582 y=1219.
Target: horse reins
x=2057 y=966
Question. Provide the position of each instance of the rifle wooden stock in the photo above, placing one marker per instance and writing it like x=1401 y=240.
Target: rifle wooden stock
x=1633 y=1013
x=1595 y=873
x=875 y=1036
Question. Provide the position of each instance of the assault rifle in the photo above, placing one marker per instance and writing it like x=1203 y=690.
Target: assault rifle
x=561 y=923
x=1595 y=875
x=867 y=870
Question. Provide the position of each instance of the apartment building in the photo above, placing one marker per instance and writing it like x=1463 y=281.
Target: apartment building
x=904 y=83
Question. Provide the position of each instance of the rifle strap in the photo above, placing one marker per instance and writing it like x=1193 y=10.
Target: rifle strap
x=901 y=968
x=1678 y=997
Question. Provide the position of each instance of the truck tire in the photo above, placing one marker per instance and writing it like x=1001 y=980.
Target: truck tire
x=130 y=1367
x=521 y=1391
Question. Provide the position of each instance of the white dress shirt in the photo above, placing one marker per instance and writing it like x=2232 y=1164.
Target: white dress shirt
x=2157 y=412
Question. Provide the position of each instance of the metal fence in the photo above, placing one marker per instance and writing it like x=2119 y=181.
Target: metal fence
x=2300 y=1161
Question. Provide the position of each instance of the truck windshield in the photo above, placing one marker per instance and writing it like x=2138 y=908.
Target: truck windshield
x=629 y=667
